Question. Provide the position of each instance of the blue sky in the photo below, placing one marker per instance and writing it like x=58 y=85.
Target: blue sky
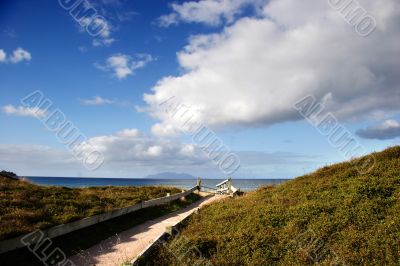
x=239 y=64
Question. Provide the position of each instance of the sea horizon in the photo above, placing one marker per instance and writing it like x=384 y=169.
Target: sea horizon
x=80 y=182
x=195 y=178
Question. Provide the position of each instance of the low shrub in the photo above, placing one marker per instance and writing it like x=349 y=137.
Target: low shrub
x=334 y=216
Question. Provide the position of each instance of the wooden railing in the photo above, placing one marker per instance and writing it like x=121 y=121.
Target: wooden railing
x=223 y=188
x=14 y=243
x=208 y=189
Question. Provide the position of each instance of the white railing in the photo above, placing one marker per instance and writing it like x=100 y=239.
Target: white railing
x=234 y=190
x=225 y=187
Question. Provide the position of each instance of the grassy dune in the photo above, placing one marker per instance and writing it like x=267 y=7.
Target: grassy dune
x=82 y=239
x=25 y=207
x=334 y=216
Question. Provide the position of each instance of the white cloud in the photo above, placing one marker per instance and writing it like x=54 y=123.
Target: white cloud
x=104 y=38
x=124 y=65
x=130 y=153
x=37 y=160
x=132 y=145
x=209 y=12
x=388 y=129
x=103 y=42
x=24 y=111
x=163 y=130
x=168 y=20
x=96 y=100
x=117 y=10
x=188 y=149
x=120 y=65
x=20 y=55
x=253 y=72
x=154 y=151
x=17 y=56
x=129 y=133
x=3 y=55
x=106 y=32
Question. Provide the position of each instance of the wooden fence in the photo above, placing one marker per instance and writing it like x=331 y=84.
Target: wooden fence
x=59 y=230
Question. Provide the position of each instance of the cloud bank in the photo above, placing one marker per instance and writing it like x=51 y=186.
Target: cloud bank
x=388 y=129
x=252 y=72
x=131 y=153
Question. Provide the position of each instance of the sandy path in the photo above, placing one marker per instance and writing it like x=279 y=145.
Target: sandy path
x=128 y=244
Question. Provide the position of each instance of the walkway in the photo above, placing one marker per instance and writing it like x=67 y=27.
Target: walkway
x=127 y=245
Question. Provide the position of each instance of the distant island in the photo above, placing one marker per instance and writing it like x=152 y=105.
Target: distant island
x=170 y=175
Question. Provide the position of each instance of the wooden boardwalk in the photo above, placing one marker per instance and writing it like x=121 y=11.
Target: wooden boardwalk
x=125 y=246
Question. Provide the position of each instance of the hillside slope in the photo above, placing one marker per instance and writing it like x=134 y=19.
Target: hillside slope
x=334 y=216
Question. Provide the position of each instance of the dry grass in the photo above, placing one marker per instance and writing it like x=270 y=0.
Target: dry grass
x=25 y=207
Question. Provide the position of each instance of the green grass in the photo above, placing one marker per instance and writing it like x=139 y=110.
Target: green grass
x=334 y=216
x=25 y=207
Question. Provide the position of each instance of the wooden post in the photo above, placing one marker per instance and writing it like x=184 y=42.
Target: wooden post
x=198 y=183
x=183 y=198
x=230 y=185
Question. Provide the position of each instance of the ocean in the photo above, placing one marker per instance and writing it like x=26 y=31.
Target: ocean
x=243 y=184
